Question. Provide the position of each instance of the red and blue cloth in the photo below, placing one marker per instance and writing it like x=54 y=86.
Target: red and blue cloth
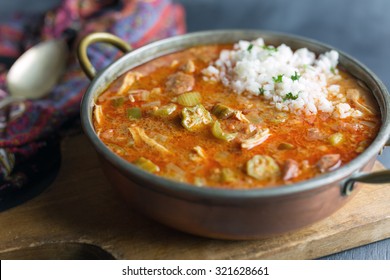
x=27 y=129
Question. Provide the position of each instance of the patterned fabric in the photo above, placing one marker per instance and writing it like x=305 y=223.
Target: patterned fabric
x=25 y=127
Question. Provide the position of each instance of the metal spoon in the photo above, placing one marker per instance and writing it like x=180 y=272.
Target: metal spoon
x=37 y=71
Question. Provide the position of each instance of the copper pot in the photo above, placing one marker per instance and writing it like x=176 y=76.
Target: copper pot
x=222 y=213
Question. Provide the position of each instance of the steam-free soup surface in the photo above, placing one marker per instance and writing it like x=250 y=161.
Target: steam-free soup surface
x=172 y=118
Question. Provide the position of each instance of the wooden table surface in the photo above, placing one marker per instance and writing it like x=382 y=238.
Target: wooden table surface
x=80 y=216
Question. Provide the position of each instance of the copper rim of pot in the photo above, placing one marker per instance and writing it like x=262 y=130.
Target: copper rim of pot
x=347 y=174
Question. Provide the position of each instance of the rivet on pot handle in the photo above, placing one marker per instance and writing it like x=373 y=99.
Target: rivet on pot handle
x=100 y=37
x=379 y=177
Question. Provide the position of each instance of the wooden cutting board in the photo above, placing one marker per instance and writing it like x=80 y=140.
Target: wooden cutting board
x=80 y=216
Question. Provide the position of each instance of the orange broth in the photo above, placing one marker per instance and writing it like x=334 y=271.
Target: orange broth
x=303 y=139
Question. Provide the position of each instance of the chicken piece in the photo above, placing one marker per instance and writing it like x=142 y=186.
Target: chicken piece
x=240 y=116
x=290 y=169
x=314 y=134
x=179 y=83
x=260 y=136
x=128 y=81
x=361 y=103
x=329 y=162
x=140 y=136
x=197 y=154
x=98 y=112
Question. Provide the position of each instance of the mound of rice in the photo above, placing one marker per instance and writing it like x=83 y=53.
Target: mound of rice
x=291 y=81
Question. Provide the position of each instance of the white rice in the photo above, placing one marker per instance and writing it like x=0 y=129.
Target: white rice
x=291 y=81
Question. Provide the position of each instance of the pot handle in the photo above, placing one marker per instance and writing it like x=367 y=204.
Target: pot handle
x=379 y=177
x=96 y=37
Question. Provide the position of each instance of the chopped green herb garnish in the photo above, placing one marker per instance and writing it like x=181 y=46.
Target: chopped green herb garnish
x=278 y=79
x=270 y=48
x=261 y=90
x=333 y=70
x=249 y=47
x=290 y=96
x=295 y=77
x=117 y=102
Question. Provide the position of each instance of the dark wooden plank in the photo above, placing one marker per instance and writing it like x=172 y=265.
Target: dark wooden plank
x=375 y=251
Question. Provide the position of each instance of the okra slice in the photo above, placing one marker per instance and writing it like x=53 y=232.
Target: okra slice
x=220 y=134
x=195 y=117
x=263 y=167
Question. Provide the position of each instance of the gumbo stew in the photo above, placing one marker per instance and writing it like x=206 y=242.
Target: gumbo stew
x=247 y=115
